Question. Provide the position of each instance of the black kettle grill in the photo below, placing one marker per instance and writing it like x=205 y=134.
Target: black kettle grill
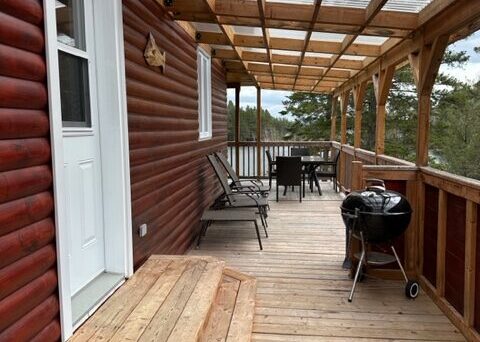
x=376 y=216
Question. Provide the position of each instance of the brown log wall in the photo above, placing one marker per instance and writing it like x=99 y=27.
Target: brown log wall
x=28 y=280
x=172 y=182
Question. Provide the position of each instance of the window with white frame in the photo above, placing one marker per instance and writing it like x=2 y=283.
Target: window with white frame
x=204 y=94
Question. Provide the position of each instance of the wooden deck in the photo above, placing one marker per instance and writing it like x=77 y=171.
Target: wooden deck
x=302 y=289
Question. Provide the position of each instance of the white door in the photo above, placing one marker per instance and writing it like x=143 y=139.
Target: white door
x=82 y=160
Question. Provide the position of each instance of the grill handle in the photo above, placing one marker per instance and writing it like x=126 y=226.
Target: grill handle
x=374 y=184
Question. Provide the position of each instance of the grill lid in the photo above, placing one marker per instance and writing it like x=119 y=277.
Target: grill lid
x=376 y=199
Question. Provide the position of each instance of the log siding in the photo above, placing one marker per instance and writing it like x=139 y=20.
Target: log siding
x=29 y=307
x=172 y=182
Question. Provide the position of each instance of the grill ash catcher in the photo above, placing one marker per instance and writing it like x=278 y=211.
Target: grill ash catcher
x=376 y=216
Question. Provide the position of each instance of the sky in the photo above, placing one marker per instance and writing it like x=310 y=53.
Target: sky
x=272 y=99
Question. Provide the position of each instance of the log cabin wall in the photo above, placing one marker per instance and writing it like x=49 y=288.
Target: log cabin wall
x=172 y=182
x=28 y=280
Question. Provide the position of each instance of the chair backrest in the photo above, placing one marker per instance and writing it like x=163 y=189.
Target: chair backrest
x=289 y=170
x=221 y=176
x=299 y=151
x=336 y=156
x=269 y=157
x=231 y=172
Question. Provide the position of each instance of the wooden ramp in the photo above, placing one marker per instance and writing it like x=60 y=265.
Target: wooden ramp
x=176 y=298
x=302 y=289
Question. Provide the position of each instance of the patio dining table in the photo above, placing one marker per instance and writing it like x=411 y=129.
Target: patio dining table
x=311 y=163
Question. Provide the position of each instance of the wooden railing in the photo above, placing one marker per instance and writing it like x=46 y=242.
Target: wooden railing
x=248 y=154
x=440 y=246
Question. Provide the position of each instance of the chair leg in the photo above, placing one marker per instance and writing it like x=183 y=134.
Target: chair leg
x=285 y=191
x=277 y=192
x=300 y=190
x=202 y=232
x=269 y=180
x=304 y=184
x=258 y=235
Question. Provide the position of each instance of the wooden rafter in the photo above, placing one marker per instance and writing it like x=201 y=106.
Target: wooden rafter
x=266 y=35
x=406 y=33
x=316 y=10
x=298 y=16
x=373 y=8
x=227 y=31
x=289 y=44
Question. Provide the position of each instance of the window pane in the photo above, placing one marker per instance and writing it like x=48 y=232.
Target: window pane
x=74 y=91
x=70 y=23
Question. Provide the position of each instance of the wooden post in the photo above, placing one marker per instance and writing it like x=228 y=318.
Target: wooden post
x=343 y=124
x=333 y=119
x=358 y=96
x=357 y=175
x=425 y=64
x=470 y=262
x=237 y=128
x=441 y=242
x=259 y=132
x=343 y=137
x=382 y=81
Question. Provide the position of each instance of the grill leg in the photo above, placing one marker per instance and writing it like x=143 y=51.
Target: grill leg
x=357 y=274
x=399 y=264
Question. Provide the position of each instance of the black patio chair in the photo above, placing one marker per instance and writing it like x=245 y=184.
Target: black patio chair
x=244 y=185
x=329 y=169
x=299 y=151
x=229 y=199
x=306 y=171
x=289 y=173
x=272 y=169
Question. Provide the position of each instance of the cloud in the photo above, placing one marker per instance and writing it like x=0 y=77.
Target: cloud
x=271 y=99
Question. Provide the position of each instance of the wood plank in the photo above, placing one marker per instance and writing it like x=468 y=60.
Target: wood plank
x=195 y=313
x=171 y=309
x=222 y=311
x=441 y=242
x=141 y=316
x=470 y=262
x=112 y=314
x=242 y=318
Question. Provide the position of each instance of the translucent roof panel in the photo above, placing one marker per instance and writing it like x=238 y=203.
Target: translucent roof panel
x=291 y=34
x=318 y=54
x=246 y=30
x=206 y=27
x=414 y=6
x=258 y=50
x=286 y=52
x=333 y=37
x=370 y=40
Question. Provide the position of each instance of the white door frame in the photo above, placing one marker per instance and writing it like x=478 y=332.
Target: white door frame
x=113 y=121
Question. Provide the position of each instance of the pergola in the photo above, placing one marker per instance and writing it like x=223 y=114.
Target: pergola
x=331 y=46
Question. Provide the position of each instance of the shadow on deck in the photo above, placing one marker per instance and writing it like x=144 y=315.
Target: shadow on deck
x=302 y=289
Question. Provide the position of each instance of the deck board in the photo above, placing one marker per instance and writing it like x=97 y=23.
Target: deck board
x=301 y=288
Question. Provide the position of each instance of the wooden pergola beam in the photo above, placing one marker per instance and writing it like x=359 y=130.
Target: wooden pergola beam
x=358 y=97
x=266 y=35
x=307 y=37
x=336 y=18
x=288 y=44
x=445 y=18
x=228 y=33
x=333 y=119
x=382 y=82
x=425 y=64
x=373 y=8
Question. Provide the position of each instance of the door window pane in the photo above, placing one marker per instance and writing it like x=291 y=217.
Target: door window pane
x=74 y=92
x=70 y=23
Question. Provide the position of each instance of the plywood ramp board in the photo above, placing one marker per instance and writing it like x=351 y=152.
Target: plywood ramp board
x=302 y=289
